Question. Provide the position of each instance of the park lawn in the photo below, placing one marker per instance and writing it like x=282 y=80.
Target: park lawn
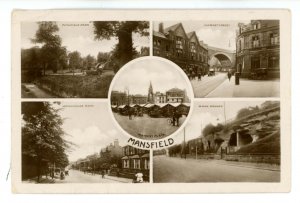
x=88 y=86
x=147 y=127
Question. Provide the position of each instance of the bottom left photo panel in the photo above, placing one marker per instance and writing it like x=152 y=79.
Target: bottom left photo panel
x=77 y=142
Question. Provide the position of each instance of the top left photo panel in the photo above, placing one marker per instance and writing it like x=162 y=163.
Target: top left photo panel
x=77 y=59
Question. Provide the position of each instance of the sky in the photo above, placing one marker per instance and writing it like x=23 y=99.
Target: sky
x=78 y=36
x=220 y=34
x=162 y=75
x=206 y=112
x=86 y=128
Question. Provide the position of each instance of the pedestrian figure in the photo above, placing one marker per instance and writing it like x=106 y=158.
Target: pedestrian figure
x=199 y=75
x=139 y=178
x=173 y=118
x=62 y=175
x=229 y=75
x=102 y=173
x=177 y=116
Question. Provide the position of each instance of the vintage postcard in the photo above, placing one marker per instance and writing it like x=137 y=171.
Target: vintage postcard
x=151 y=101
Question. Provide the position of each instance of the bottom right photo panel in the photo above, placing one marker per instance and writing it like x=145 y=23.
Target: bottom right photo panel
x=224 y=141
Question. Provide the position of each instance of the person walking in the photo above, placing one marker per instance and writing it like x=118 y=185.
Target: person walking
x=229 y=75
x=199 y=75
x=103 y=174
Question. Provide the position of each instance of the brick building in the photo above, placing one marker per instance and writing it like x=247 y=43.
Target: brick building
x=258 y=48
x=182 y=48
x=134 y=161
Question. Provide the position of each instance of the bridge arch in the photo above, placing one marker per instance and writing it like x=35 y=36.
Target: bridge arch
x=225 y=61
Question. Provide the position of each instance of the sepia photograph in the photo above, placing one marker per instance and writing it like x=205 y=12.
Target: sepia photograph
x=77 y=59
x=70 y=142
x=150 y=98
x=224 y=58
x=230 y=141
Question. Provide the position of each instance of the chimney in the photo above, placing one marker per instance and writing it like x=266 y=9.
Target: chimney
x=161 y=27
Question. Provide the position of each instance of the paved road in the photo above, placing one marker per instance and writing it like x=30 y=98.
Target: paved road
x=80 y=177
x=247 y=88
x=207 y=84
x=180 y=170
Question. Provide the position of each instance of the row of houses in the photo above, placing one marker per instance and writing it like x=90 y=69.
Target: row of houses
x=153 y=110
x=120 y=161
x=173 y=95
x=184 y=49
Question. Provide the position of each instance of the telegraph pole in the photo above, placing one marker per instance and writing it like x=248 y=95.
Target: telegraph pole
x=184 y=143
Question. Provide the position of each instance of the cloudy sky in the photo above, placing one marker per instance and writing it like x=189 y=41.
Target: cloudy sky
x=78 y=36
x=212 y=112
x=220 y=34
x=86 y=127
x=137 y=76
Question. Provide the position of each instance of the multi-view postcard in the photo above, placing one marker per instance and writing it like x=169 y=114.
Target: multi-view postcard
x=152 y=101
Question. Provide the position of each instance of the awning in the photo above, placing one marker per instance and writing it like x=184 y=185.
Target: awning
x=135 y=157
x=124 y=158
x=146 y=155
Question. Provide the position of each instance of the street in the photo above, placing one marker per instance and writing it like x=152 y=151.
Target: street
x=179 y=170
x=76 y=176
x=220 y=86
x=207 y=84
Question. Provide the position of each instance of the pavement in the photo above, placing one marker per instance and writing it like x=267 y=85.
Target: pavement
x=247 y=88
x=76 y=176
x=220 y=86
x=179 y=170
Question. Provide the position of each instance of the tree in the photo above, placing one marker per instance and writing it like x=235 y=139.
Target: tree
x=75 y=60
x=31 y=63
x=103 y=57
x=211 y=129
x=51 y=51
x=89 y=62
x=43 y=137
x=123 y=30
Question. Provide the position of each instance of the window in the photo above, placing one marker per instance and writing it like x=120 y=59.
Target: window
x=240 y=45
x=179 y=44
x=193 y=47
x=273 y=62
x=146 y=163
x=136 y=163
x=256 y=26
x=255 y=62
x=274 y=38
x=167 y=48
x=157 y=42
x=255 y=41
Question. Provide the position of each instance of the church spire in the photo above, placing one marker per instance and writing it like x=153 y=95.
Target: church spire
x=150 y=94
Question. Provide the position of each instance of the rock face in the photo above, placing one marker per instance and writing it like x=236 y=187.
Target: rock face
x=255 y=133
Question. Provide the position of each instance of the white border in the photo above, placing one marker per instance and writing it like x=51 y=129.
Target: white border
x=283 y=186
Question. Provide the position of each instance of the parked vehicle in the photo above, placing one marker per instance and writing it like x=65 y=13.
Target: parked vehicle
x=211 y=72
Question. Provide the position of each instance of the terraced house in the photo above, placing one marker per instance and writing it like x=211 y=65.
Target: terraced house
x=258 y=45
x=182 y=48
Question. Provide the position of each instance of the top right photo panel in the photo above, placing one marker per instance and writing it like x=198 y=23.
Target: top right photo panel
x=223 y=58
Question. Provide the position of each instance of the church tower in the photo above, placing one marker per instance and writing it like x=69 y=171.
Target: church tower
x=150 y=94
